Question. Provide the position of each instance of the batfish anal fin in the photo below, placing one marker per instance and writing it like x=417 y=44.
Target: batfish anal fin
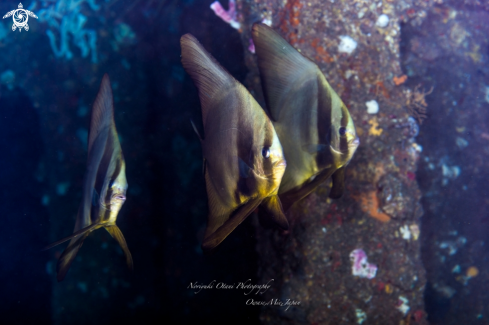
x=237 y=217
x=85 y=230
x=296 y=194
x=281 y=66
x=68 y=256
x=338 y=187
x=116 y=233
x=273 y=210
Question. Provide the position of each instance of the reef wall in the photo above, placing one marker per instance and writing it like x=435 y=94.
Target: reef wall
x=356 y=259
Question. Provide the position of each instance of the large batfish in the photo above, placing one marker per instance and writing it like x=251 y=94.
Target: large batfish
x=105 y=184
x=243 y=158
x=314 y=126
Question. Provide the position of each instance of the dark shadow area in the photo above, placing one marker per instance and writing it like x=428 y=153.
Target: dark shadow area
x=436 y=307
x=452 y=170
x=26 y=288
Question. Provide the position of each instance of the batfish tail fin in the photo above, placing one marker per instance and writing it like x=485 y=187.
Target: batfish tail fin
x=116 y=233
x=69 y=255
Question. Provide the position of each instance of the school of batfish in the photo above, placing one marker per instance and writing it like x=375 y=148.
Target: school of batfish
x=252 y=158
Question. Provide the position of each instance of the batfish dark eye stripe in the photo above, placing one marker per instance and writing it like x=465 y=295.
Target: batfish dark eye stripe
x=344 y=123
x=268 y=140
x=117 y=169
x=343 y=144
x=323 y=123
x=344 y=115
x=324 y=115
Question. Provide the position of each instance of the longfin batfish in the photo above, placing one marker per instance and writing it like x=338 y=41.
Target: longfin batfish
x=243 y=156
x=314 y=126
x=105 y=184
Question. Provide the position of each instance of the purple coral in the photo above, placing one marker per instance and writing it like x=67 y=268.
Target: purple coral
x=229 y=16
x=360 y=266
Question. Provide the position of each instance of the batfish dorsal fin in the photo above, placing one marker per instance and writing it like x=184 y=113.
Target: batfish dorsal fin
x=102 y=111
x=101 y=127
x=212 y=80
x=281 y=67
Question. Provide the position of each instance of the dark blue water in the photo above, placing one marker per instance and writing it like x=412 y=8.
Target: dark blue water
x=48 y=85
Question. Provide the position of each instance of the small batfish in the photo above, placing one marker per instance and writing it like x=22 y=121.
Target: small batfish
x=312 y=123
x=105 y=184
x=243 y=158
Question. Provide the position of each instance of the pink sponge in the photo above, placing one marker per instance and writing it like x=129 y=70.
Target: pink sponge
x=229 y=16
x=360 y=266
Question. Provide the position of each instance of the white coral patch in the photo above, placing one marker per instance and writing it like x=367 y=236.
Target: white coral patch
x=347 y=44
x=372 y=106
x=382 y=21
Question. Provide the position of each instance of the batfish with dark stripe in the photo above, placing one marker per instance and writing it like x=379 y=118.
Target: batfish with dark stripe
x=243 y=158
x=105 y=184
x=314 y=126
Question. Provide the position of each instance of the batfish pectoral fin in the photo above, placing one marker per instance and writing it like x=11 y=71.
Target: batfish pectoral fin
x=296 y=194
x=204 y=163
x=237 y=217
x=338 y=187
x=273 y=210
x=68 y=256
x=85 y=230
x=314 y=148
x=116 y=233
x=196 y=131
x=244 y=168
x=95 y=198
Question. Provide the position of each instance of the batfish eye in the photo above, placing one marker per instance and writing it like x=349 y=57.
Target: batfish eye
x=265 y=152
x=342 y=131
x=111 y=183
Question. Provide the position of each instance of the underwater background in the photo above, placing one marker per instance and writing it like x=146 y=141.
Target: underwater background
x=417 y=193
